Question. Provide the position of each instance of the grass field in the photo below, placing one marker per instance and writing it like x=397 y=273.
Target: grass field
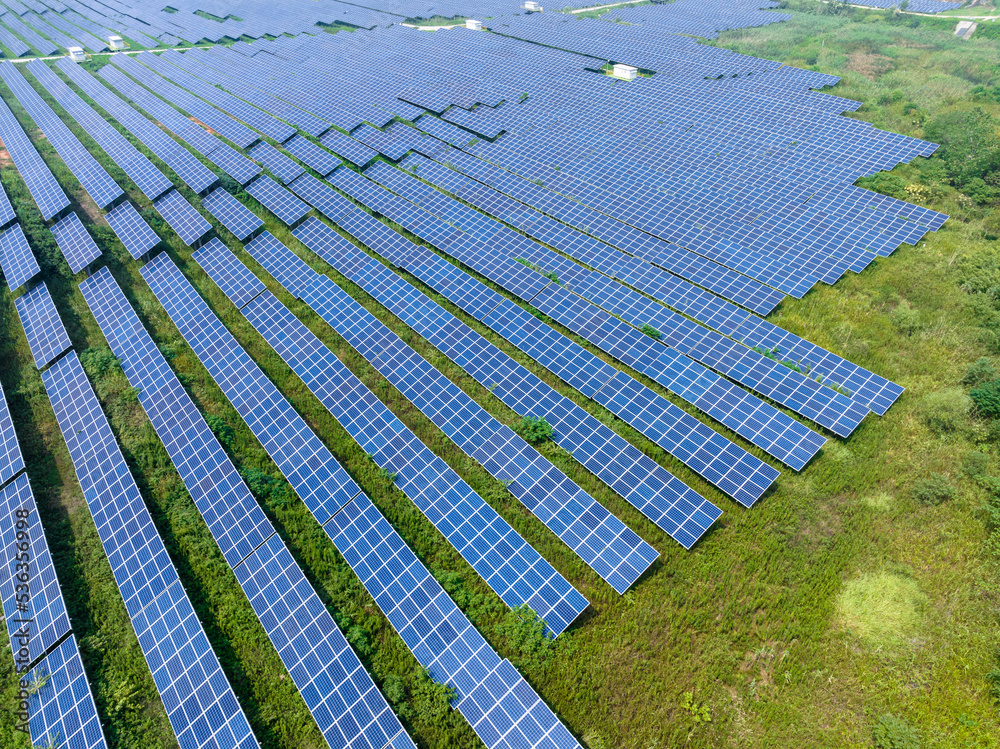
x=851 y=592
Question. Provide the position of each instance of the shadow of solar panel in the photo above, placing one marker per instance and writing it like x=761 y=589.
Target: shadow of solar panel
x=278 y=200
x=62 y=710
x=231 y=213
x=132 y=230
x=75 y=243
x=198 y=700
x=182 y=217
x=16 y=259
x=32 y=600
x=46 y=334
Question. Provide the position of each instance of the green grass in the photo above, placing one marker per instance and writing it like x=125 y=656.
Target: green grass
x=837 y=600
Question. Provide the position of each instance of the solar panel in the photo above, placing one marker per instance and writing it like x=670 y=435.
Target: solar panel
x=49 y=197
x=321 y=663
x=240 y=287
x=46 y=334
x=75 y=242
x=32 y=600
x=62 y=708
x=18 y=263
x=354 y=151
x=231 y=213
x=276 y=162
x=278 y=200
x=182 y=217
x=198 y=700
x=11 y=461
x=312 y=155
x=597 y=536
x=7 y=213
x=131 y=229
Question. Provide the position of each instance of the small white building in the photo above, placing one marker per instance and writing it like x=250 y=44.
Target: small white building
x=625 y=72
x=76 y=54
x=471 y=23
x=116 y=43
x=532 y=7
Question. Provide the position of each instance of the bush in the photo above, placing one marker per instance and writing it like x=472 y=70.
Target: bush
x=987 y=398
x=886 y=184
x=650 y=331
x=933 y=490
x=905 y=318
x=946 y=410
x=534 y=430
x=892 y=732
x=976 y=464
x=980 y=372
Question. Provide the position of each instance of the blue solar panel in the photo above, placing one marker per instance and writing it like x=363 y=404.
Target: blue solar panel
x=131 y=229
x=46 y=334
x=95 y=180
x=7 y=213
x=182 y=217
x=312 y=155
x=354 y=151
x=198 y=700
x=674 y=507
x=276 y=162
x=75 y=242
x=231 y=213
x=278 y=200
x=32 y=600
x=240 y=287
x=49 y=197
x=601 y=540
x=18 y=263
x=435 y=630
x=311 y=646
x=62 y=709
x=11 y=461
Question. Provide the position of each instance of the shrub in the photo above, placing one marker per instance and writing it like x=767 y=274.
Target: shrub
x=534 y=430
x=987 y=398
x=892 y=732
x=933 y=490
x=905 y=318
x=650 y=331
x=223 y=432
x=976 y=464
x=946 y=410
x=886 y=184
x=980 y=372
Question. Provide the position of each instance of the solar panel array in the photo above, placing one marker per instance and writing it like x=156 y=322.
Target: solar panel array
x=231 y=213
x=95 y=180
x=131 y=229
x=75 y=242
x=46 y=335
x=191 y=171
x=735 y=471
x=346 y=704
x=48 y=196
x=140 y=169
x=199 y=702
x=11 y=460
x=276 y=162
x=183 y=218
x=598 y=537
x=674 y=507
x=278 y=200
x=16 y=259
x=501 y=707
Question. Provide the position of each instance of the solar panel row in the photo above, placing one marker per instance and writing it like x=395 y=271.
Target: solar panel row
x=199 y=702
x=147 y=177
x=275 y=162
x=735 y=471
x=48 y=196
x=183 y=218
x=675 y=508
x=47 y=337
x=95 y=180
x=75 y=242
x=231 y=213
x=131 y=229
x=433 y=628
x=16 y=259
x=11 y=460
x=341 y=696
x=601 y=540
x=278 y=200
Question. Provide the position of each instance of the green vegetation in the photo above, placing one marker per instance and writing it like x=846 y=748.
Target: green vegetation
x=534 y=429
x=651 y=331
x=804 y=369
x=842 y=610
